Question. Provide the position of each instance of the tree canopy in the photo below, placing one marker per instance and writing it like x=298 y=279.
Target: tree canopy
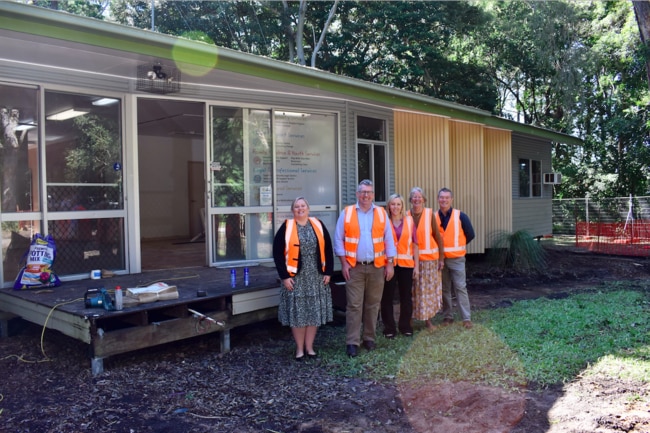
x=575 y=67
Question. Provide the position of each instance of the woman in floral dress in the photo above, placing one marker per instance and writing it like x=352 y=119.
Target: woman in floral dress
x=304 y=259
x=427 y=287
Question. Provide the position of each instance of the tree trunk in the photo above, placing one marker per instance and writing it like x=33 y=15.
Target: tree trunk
x=642 y=13
x=300 y=47
x=10 y=155
x=323 y=33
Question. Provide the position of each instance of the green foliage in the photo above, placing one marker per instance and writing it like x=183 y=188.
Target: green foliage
x=87 y=8
x=574 y=67
x=455 y=357
x=228 y=139
x=98 y=148
x=517 y=251
x=534 y=50
x=9 y=226
x=556 y=339
x=612 y=117
x=543 y=341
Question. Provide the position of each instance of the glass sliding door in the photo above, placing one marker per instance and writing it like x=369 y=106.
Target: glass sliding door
x=241 y=180
x=260 y=161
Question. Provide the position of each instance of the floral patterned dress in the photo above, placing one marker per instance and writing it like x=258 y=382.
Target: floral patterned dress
x=427 y=287
x=310 y=301
x=427 y=291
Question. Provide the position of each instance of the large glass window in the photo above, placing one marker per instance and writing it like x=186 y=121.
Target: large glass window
x=83 y=165
x=19 y=174
x=371 y=153
x=305 y=158
x=19 y=141
x=530 y=178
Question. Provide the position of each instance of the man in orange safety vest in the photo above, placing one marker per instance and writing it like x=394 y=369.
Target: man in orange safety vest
x=364 y=243
x=457 y=231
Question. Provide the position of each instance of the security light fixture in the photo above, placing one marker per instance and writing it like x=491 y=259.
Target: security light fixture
x=158 y=79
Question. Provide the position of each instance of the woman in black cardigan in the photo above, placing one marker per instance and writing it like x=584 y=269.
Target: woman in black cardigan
x=304 y=259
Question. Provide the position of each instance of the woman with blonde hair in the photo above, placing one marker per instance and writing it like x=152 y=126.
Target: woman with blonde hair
x=427 y=287
x=406 y=269
x=304 y=259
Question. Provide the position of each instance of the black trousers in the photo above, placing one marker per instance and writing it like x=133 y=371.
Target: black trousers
x=403 y=281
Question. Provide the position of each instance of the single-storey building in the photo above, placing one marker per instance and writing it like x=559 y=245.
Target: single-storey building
x=115 y=137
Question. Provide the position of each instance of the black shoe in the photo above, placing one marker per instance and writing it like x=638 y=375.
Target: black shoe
x=369 y=345
x=407 y=334
x=312 y=355
x=389 y=336
x=300 y=358
x=351 y=350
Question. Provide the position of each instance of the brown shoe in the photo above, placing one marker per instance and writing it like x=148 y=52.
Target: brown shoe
x=369 y=345
x=431 y=326
x=467 y=324
x=447 y=322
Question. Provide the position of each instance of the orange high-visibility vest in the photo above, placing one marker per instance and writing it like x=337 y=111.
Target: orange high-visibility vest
x=453 y=237
x=404 y=244
x=353 y=235
x=426 y=241
x=292 y=244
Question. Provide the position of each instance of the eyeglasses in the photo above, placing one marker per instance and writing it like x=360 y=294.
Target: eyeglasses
x=366 y=192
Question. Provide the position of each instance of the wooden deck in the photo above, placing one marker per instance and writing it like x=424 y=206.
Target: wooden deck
x=140 y=326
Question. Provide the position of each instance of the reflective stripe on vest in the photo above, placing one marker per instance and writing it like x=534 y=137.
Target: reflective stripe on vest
x=404 y=257
x=353 y=235
x=426 y=242
x=454 y=236
x=292 y=244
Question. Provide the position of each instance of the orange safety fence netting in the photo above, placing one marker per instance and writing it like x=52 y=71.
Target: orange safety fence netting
x=631 y=238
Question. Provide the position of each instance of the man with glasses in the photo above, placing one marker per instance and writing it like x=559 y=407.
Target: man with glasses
x=364 y=243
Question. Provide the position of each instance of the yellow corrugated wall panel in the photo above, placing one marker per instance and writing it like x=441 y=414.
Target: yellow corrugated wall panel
x=498 y=182
x=421 y=153
x=467 y=178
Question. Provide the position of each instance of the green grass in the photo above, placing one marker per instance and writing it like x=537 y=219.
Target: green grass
x=543 y=341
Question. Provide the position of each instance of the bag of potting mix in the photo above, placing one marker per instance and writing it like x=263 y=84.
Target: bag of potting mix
x=37 y=271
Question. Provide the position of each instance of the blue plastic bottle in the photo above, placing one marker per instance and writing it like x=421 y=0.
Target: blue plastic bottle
x=246 y=277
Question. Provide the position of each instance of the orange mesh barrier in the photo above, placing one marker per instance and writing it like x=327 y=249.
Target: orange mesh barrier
x=621 y=238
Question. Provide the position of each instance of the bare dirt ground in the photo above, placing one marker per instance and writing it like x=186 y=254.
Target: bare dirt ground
x=191 y=387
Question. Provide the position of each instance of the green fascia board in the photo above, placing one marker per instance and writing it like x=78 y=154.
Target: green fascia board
x=88 y=31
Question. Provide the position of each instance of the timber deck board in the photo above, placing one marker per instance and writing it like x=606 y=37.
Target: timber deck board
x=148 y=324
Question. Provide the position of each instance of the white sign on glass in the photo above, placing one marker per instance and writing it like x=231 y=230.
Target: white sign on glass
x=305 y=157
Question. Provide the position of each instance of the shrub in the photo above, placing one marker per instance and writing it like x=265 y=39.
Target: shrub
x=517 y=251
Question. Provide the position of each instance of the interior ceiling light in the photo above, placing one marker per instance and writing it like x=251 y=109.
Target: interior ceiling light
x=67 y=114
x=25 y=126
x=104 y=101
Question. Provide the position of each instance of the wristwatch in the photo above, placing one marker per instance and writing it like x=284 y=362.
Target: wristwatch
x=390 y=260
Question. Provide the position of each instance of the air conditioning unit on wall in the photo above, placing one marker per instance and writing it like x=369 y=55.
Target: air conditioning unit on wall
x=552 y=178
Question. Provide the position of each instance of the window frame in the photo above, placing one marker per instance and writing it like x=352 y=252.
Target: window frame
x=377 y=171
x=530 y=178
